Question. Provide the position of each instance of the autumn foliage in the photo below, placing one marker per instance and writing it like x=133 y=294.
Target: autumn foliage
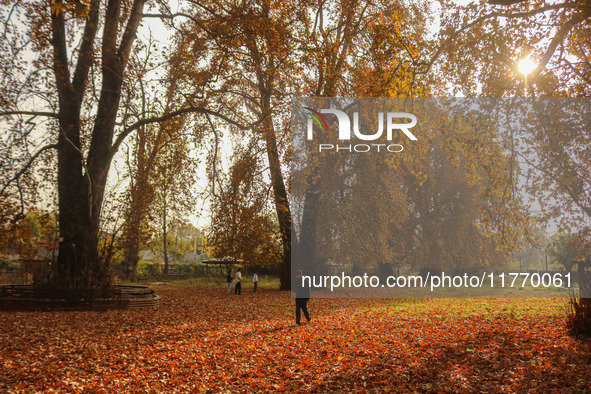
x=205 y=340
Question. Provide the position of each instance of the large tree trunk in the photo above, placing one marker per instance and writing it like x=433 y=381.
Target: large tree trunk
x=140 y=192
x=81 y=187
x=307 y=239
x=281 y=201
x=132 y=247
x=78 y=257
x=78 y=247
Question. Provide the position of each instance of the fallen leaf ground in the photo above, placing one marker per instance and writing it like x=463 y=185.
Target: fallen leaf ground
x=207 y=340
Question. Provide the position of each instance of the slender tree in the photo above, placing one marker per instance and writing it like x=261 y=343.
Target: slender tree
x=251 y=50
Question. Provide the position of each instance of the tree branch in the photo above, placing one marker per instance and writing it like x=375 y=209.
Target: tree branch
x=32 y=113
x=60 y=56
x=182 y=111
x=586 y=79
x=110 y=34
x=505 y=2
x=86 y=50
x=559 y=38
x=182 y=15
x=561 y=184
x=27 y=166
x=129 y=34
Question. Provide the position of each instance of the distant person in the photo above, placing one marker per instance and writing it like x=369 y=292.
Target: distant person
x=302 y=294
x=238 y=281
x=255 y=280
x=229 y=279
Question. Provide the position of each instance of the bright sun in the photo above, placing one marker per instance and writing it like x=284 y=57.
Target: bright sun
x=526 y=66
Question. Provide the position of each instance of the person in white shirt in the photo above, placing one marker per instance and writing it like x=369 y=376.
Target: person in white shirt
x=255 y=280
x=238 y=282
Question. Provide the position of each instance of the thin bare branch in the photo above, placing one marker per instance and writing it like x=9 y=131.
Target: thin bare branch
x=29 y=163
x=32 y=113
x=171 y=115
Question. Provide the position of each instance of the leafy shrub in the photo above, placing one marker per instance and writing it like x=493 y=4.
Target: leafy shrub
x=148 y=268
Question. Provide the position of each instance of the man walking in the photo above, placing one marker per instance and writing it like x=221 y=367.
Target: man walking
x=255 y=280
x=302 y=294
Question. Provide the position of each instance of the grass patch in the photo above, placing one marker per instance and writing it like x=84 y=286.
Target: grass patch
x=470 y=307
x=216 y=282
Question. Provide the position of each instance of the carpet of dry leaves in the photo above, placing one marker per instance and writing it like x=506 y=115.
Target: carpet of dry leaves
x=203 y=339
